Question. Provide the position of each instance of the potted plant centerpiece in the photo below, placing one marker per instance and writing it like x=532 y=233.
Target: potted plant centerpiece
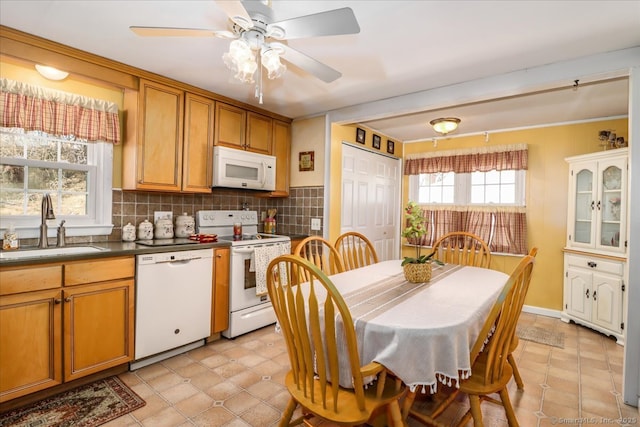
x=418 y=269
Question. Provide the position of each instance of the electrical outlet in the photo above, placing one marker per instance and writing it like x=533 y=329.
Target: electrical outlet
x=316 y=224
x=263 y=215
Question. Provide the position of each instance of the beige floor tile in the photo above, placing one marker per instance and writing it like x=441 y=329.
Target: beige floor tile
x=240 y=383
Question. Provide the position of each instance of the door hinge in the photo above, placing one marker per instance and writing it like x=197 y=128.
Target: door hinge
x=566 y=274
x=566 y=306
x=622 y=286
x=622 y=326
x=625 y=244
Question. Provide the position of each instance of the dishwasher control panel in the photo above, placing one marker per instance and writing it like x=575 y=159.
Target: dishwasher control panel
x=176 y=256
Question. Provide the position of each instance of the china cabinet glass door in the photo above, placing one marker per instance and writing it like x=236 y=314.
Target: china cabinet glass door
x=610 y=205
x=583 y=224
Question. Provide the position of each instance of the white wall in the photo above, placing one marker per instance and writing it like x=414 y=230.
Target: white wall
x=308 y=135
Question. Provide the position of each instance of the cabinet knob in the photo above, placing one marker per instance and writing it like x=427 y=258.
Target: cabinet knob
x=587 y=294
x=593 y=205
x=67 y=299
x=218 y=256
x=592 y=264
x=57 y=300
x=594 y=295
x=598 y=204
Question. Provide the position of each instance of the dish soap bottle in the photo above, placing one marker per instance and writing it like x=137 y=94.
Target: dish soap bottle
x=10 y=239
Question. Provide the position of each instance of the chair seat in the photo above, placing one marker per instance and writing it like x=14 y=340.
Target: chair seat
x=347 y=406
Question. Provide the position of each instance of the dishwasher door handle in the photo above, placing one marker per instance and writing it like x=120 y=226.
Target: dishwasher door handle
x=175 y=261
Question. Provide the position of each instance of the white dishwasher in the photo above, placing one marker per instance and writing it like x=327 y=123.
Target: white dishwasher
x=173 y=303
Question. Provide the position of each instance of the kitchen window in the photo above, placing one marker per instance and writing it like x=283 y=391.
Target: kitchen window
x=58 y=143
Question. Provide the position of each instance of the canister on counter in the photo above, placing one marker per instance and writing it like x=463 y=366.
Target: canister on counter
x=270 y=225
x=145 y=230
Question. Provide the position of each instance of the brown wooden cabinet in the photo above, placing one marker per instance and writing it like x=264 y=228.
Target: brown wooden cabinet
x=82 y=325
x=243 y=130
x=169 y=140
x=220 y=292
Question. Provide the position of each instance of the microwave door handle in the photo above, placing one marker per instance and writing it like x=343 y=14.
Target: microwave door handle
x=264 y=173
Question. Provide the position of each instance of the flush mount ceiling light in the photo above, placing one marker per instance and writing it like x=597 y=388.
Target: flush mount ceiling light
x=51 y=73
x=445 y=125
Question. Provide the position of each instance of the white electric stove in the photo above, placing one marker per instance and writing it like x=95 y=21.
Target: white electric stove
x=248 y=311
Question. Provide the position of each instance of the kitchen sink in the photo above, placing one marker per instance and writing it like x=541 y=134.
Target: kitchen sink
x=39 y=253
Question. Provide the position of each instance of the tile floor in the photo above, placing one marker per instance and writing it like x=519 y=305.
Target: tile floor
x=233 y=383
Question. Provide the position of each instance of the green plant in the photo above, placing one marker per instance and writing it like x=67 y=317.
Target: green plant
x=415 y=229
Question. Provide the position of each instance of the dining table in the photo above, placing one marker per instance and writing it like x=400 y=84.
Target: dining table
x=421 y=332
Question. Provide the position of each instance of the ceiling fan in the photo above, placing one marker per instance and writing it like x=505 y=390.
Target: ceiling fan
x=256 y=39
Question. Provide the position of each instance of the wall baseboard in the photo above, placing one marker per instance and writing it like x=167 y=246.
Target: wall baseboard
x=542 y=311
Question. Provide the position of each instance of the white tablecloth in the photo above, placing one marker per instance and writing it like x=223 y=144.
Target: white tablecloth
x=421 y=332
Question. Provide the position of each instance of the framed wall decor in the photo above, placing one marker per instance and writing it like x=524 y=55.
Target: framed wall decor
x=376 y=141
x=306 y=161
x=360 y=133
x=390 y=146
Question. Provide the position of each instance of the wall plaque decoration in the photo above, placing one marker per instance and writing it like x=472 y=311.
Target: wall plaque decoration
x=306 y=161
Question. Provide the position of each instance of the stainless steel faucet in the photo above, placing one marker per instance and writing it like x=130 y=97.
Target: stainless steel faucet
x=46 y=213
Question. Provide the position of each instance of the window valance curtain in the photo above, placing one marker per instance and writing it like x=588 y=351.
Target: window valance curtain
x=57 y=113
x=483 y=159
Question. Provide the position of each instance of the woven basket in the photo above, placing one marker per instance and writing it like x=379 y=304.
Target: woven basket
x=417 y=273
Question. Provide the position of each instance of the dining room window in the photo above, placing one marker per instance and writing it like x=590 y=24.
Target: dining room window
x=480 y=191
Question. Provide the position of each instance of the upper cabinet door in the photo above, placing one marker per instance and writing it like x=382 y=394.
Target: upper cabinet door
x=259 y=133
x=198 y=144
x=230 y=126
x=612 y=204
x=152 y=153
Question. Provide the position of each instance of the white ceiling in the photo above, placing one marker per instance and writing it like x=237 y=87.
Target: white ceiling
x=403 y=47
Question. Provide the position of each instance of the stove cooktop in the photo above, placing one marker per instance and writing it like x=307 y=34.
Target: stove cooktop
x=250 y=237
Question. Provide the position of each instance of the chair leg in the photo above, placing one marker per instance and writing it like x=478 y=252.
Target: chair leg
x=476 y=412
x=508 y=408
x=516 y=373
x=394 y=416
x=408 y=402
x=288 y=413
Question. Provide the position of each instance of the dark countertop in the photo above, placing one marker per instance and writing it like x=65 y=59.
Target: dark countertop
x=108 y=249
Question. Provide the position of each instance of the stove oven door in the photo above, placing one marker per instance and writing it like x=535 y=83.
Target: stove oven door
x=242 y=293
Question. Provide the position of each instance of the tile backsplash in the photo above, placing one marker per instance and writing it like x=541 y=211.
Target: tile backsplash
x=293 y=217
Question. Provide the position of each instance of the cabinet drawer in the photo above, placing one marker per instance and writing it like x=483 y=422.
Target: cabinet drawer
x=595 y=264
x=98 y=270
x=14 y=280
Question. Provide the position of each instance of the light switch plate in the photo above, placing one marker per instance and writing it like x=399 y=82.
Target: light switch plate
x=162 y=214
x=316 y=223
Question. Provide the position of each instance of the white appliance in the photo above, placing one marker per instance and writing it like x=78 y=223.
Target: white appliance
x=248 y=311
x=173 y=303
x=243 y=169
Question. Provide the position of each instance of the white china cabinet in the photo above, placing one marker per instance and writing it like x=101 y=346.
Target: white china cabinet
x=595 y=253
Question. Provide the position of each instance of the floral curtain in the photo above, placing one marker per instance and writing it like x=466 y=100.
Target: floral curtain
x=57 y=113
x=483 y=159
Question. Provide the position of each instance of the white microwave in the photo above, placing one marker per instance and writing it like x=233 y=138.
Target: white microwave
x=243 y=169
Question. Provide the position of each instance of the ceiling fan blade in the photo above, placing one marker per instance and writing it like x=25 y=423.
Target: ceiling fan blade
x=329 y=23
x=306 y=63
x=180 y=32
x=236 y=12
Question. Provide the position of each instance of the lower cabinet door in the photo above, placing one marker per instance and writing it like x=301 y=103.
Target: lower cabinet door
x=579 y=293
x=30 y=343
x=607 y=301
x=98 y=327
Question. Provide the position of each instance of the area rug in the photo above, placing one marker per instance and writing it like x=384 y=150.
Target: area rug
x=541 y=335
x=89 y=405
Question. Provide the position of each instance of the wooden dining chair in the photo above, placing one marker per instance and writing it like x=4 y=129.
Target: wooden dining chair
x=459 y=247
x=317 y=326
x=321 y=253
x=516 y=341
x=490 y=371
x=355 y=250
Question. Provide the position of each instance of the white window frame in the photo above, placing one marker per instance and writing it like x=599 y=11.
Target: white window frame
x=97 y=221
x=462 y=191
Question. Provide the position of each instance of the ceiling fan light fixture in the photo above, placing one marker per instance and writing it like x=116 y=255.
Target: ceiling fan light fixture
x=51 y=73
x=271 y=61
x=241 y=60
x=445 y=125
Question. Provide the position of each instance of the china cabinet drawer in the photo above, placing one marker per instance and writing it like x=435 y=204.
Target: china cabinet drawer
x=596 y=264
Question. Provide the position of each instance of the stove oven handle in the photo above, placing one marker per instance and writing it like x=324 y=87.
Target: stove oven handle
x=242 y=251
